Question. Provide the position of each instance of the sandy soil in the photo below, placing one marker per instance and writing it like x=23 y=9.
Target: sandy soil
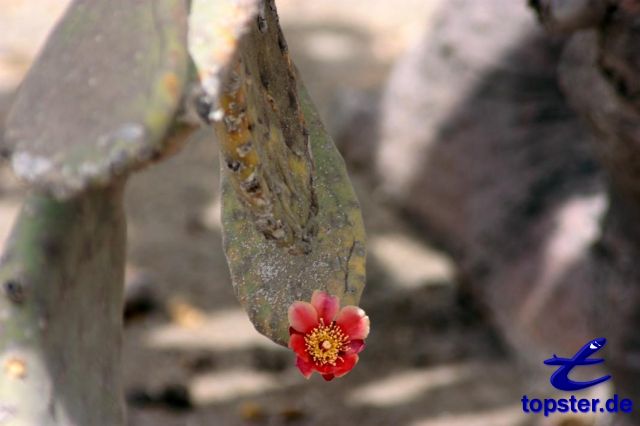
x=193 y=358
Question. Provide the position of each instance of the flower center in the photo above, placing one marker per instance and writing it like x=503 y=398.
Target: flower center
x=325 y=343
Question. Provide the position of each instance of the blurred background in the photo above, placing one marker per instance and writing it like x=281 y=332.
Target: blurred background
x=478 y=190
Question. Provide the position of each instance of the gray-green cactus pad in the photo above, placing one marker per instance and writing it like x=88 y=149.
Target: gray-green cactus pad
x=291 y=220
x=99 y=99
x=268 y=278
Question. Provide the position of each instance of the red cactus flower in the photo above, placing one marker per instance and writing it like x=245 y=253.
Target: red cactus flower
x=325 y=340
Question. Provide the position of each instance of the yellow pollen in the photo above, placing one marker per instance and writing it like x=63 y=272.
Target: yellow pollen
x=325 y=343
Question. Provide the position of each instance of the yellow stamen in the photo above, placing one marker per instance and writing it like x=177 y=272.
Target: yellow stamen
x=325 y=343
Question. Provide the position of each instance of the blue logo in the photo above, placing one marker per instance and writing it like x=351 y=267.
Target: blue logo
x=573 y=404
x=560 y=378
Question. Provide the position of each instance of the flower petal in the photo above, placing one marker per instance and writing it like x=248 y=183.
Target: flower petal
x=326 y=305
x=328 y=377
x=297 y=343
x=350 y=360
x=323 y=368
x=302 y=316
x=306 y=368
x=354 y=322
x=356 y=346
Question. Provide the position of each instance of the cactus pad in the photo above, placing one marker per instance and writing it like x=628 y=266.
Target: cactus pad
x=101 y=96
x=291 y=220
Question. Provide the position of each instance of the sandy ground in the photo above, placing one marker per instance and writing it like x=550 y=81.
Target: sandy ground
x=194 y=359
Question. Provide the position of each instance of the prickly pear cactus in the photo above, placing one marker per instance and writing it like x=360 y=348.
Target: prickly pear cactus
x=104 y=99
x=101 y=96
x=61 y=312
x=291 y=220
x=97 y=104
x=327 y=252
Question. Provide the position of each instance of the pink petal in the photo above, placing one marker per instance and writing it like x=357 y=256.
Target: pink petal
x=356 y=346
x=328 y=377
x=350 y=360
x=306 y=368
x=326 y=305
x=302 y=316
x=296 y=342
x=354 y=322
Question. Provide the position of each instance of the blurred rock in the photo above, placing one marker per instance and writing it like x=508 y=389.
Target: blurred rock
x=352 y=122
x=139 y=298
x=194 y=225
x=271 y=360
x=139 y=398
x=480 y=149
x=200 y=362
x=252 y=411
x=292 y=414
x=176 y=397
x=184 y=313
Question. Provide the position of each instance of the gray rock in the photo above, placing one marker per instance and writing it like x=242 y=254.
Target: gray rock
x=479 y=147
